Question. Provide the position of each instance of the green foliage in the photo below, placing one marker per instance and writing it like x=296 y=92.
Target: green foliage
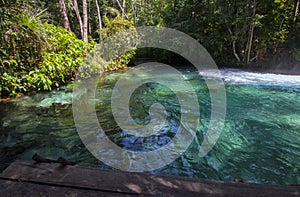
x=36 y=55
x=64 y=55
x=234 y=32
x=113 y=27
x=21 y=40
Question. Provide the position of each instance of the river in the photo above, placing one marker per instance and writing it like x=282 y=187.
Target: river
x=260 y=141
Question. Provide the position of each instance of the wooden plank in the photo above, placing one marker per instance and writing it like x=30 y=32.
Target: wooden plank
x=135 y=183
x=13 y=188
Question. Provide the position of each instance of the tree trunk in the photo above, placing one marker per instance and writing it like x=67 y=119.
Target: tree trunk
x=84 y=21
x=296 y=11
x=233 y=38
x=133 y=11
x=99 y=18
x=123 y=6
x=122 y=9
x=251 y=34
x=294 y=19
x=75 y=6
x=63 y=12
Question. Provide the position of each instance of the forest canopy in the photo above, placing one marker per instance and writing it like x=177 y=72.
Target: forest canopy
x=43 y=42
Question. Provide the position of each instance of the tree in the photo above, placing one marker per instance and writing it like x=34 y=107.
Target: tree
x=99 y=18
x=64 y=15
x=76 y=9
x=84 y=21
x=122 y=7
x=296 y=11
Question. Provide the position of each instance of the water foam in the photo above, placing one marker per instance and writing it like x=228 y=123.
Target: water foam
x=237 y=76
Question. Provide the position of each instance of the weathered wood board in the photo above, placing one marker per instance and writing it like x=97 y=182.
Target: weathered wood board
x=44 y=179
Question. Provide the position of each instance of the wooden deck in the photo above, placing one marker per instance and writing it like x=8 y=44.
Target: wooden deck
x=25 y=178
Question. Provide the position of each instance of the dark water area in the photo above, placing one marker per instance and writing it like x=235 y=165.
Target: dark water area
x=260 y=142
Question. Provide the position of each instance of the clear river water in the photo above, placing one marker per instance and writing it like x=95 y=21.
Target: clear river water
x=260 y=141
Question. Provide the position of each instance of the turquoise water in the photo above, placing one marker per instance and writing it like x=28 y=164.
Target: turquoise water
x=260 y=142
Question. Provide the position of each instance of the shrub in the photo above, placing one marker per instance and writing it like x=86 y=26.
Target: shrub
x=113 y=27
x=36 y=56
